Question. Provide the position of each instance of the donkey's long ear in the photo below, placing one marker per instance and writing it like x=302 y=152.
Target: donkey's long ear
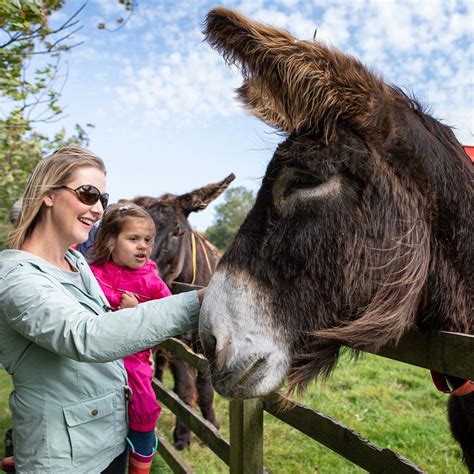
x=291 y=83
x=199 y=199
x=262 y=104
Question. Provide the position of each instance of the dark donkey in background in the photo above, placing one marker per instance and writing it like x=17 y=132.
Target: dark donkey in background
x=183 y=254
x=362 y=229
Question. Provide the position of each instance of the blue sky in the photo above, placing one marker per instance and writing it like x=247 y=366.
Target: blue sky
x=162 y=101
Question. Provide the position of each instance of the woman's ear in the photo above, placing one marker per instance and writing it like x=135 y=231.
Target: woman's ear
x=48 y=200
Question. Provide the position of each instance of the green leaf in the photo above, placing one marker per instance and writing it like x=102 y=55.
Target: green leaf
x=23 y=80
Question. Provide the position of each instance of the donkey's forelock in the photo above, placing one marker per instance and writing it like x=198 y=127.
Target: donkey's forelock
x=292 y=84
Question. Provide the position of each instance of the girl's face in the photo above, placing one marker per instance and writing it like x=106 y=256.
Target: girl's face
x=71 y=219
x=134 y=243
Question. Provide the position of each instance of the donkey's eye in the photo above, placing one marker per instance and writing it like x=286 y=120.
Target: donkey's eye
x=302 y=183
x=317 y=189
x=293 y=188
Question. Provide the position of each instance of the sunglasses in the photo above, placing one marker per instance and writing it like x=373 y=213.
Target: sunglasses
x=89 y=195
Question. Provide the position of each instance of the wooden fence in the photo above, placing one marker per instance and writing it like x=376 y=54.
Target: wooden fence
x=444 y=352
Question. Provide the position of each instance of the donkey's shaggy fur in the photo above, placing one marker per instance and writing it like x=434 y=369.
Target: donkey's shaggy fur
x=363 y=226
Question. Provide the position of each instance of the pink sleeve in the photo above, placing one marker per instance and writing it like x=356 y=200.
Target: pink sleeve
x=112 y=297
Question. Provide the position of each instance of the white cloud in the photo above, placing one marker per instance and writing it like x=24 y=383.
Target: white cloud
x=422 y=46
x=183 y=86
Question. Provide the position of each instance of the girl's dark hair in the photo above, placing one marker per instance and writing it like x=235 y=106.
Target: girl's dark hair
x=111 y=226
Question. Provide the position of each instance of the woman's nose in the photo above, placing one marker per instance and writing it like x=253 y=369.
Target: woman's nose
x=97 y=209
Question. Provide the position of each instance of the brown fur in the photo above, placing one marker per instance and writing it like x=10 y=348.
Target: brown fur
x=392 y=250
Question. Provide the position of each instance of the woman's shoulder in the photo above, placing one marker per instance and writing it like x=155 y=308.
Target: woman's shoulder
x=23 y=275
x=11 y=255
x=11 y=260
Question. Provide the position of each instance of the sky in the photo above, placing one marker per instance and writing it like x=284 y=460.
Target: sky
x=163 y=102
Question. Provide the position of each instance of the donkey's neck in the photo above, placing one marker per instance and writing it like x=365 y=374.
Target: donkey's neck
x=199 y=259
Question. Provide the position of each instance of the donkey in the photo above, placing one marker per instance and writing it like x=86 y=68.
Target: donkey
x=361 y=231
x=183 y=254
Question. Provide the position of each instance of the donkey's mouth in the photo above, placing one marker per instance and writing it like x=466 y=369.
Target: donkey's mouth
x=250 y=371
x=260 y=376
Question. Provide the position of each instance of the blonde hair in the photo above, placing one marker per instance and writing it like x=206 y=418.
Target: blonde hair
x=51 y=172
x=111 y=226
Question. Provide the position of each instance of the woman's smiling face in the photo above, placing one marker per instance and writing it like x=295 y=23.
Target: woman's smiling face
x=71 y=218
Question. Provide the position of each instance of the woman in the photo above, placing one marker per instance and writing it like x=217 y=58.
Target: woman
x=58 y=339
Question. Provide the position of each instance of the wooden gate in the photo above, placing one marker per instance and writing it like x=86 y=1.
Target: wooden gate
x=445 y=352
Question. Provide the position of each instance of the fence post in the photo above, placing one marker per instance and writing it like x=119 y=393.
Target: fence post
x=246 y=436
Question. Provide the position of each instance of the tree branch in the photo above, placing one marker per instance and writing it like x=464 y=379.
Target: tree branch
x=37 y=33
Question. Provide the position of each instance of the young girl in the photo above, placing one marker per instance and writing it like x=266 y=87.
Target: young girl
x=126 y=275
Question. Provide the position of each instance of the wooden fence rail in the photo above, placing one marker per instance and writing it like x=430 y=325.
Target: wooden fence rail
x=445 y=352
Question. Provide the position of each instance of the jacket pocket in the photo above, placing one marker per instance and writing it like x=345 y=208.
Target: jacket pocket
x=91 y=427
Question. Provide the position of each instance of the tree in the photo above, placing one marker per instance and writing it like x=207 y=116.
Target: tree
x=229 y=216
x=130 y=7
x=30 y=53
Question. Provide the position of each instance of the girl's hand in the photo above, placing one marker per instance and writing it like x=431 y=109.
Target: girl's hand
x=128 y=300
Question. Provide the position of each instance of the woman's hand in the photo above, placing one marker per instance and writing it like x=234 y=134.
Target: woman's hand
x=128 y=300
x=201 y=294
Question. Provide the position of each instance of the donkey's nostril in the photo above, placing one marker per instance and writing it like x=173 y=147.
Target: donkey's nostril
x=209 y=344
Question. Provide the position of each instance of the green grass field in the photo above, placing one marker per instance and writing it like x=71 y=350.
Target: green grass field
x=392 y=404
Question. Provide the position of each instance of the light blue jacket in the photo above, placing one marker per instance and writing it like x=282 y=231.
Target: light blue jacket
x=63 y=350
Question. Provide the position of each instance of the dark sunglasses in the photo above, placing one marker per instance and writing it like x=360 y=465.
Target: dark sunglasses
x=89 y=195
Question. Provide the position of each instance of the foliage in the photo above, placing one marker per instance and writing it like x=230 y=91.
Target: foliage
x=30 y=52
x=229 y=216
x=6 y=386
x=130 y=7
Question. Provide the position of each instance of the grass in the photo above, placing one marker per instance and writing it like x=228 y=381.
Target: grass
x=392 y=404
x=5 y=417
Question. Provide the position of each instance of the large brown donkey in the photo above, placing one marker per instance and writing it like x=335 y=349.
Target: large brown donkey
x=361 y=231
x=184 y=254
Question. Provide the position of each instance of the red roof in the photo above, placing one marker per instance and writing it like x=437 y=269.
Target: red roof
x=469 y=149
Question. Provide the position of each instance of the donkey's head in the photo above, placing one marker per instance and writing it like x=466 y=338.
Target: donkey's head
x=361 y=228
x=170 y=213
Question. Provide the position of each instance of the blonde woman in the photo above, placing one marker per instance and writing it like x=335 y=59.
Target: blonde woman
x=58 y=340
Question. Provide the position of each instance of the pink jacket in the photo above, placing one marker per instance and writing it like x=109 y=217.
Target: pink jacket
x=146 y=285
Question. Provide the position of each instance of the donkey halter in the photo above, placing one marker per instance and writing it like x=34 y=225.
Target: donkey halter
x=453 y=385
x=194 y=255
